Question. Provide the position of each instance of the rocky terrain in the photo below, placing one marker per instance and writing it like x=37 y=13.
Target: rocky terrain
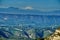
x=55 y=35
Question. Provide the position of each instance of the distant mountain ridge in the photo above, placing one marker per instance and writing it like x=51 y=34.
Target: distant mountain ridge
x=13 y=10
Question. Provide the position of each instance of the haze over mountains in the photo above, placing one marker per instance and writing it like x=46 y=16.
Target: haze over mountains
x=13 y=10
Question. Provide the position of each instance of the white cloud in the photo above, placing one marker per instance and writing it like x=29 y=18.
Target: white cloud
x=28 y=7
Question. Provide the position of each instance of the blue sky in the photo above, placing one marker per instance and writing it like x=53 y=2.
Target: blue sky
x=44 y=5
